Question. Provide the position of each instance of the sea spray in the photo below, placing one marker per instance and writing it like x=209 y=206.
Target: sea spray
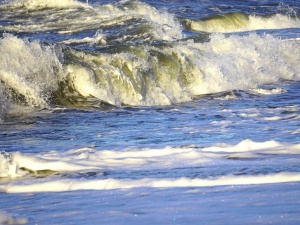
x=29 y=71
x=143 y=74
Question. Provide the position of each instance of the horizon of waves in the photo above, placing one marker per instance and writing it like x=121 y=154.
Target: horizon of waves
x=124 y=21
x=37 y=75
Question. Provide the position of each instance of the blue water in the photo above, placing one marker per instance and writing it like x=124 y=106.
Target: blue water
x=105 y=85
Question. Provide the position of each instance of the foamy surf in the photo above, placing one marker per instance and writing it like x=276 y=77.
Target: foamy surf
x=16 y=165
x=111 y=184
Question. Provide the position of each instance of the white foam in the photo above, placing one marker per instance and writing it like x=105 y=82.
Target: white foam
x=244 y=62
x=110 y=184
x=246 y=146
x=29 y=69
x=262 y=91
x=277 y=21
x=89 y=159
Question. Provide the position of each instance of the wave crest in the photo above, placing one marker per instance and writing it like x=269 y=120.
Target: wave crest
x=237 y=22
x=28 y=71
x=35 y=75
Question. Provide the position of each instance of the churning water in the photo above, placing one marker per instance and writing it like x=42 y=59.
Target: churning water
x=149 y=112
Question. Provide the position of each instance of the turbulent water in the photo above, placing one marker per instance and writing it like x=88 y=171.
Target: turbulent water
x=149 y=112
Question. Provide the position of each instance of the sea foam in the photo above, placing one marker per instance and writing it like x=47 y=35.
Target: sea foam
x=14 y=165
x=110 y=184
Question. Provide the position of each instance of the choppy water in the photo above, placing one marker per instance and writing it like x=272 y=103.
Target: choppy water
x=149 y=112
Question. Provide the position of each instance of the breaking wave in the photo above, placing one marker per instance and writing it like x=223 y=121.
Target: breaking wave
x=38 y=75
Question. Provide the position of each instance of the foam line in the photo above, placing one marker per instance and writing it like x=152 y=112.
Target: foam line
x=110 y=184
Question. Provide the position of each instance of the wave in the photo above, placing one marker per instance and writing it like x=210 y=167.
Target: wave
x=111 y=184
x=38 y=75
x=97 y=163
x=124 y=21
x=238 y=22
x=28 y=72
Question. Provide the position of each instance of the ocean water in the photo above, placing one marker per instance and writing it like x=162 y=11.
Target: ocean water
x=149 y=112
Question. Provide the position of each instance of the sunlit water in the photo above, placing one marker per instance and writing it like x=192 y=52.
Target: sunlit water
x=149 y=112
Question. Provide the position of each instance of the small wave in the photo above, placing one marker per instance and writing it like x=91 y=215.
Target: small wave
x=111 y=184
x=16 y=164
x=237 y=22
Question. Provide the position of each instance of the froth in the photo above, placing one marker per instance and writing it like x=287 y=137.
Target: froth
x=13 y=165
x=98 y=161
x=244 y=62
x=110 y=184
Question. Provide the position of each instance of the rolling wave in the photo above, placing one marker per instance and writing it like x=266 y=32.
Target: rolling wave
x=238 y=22
x=38 y=75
